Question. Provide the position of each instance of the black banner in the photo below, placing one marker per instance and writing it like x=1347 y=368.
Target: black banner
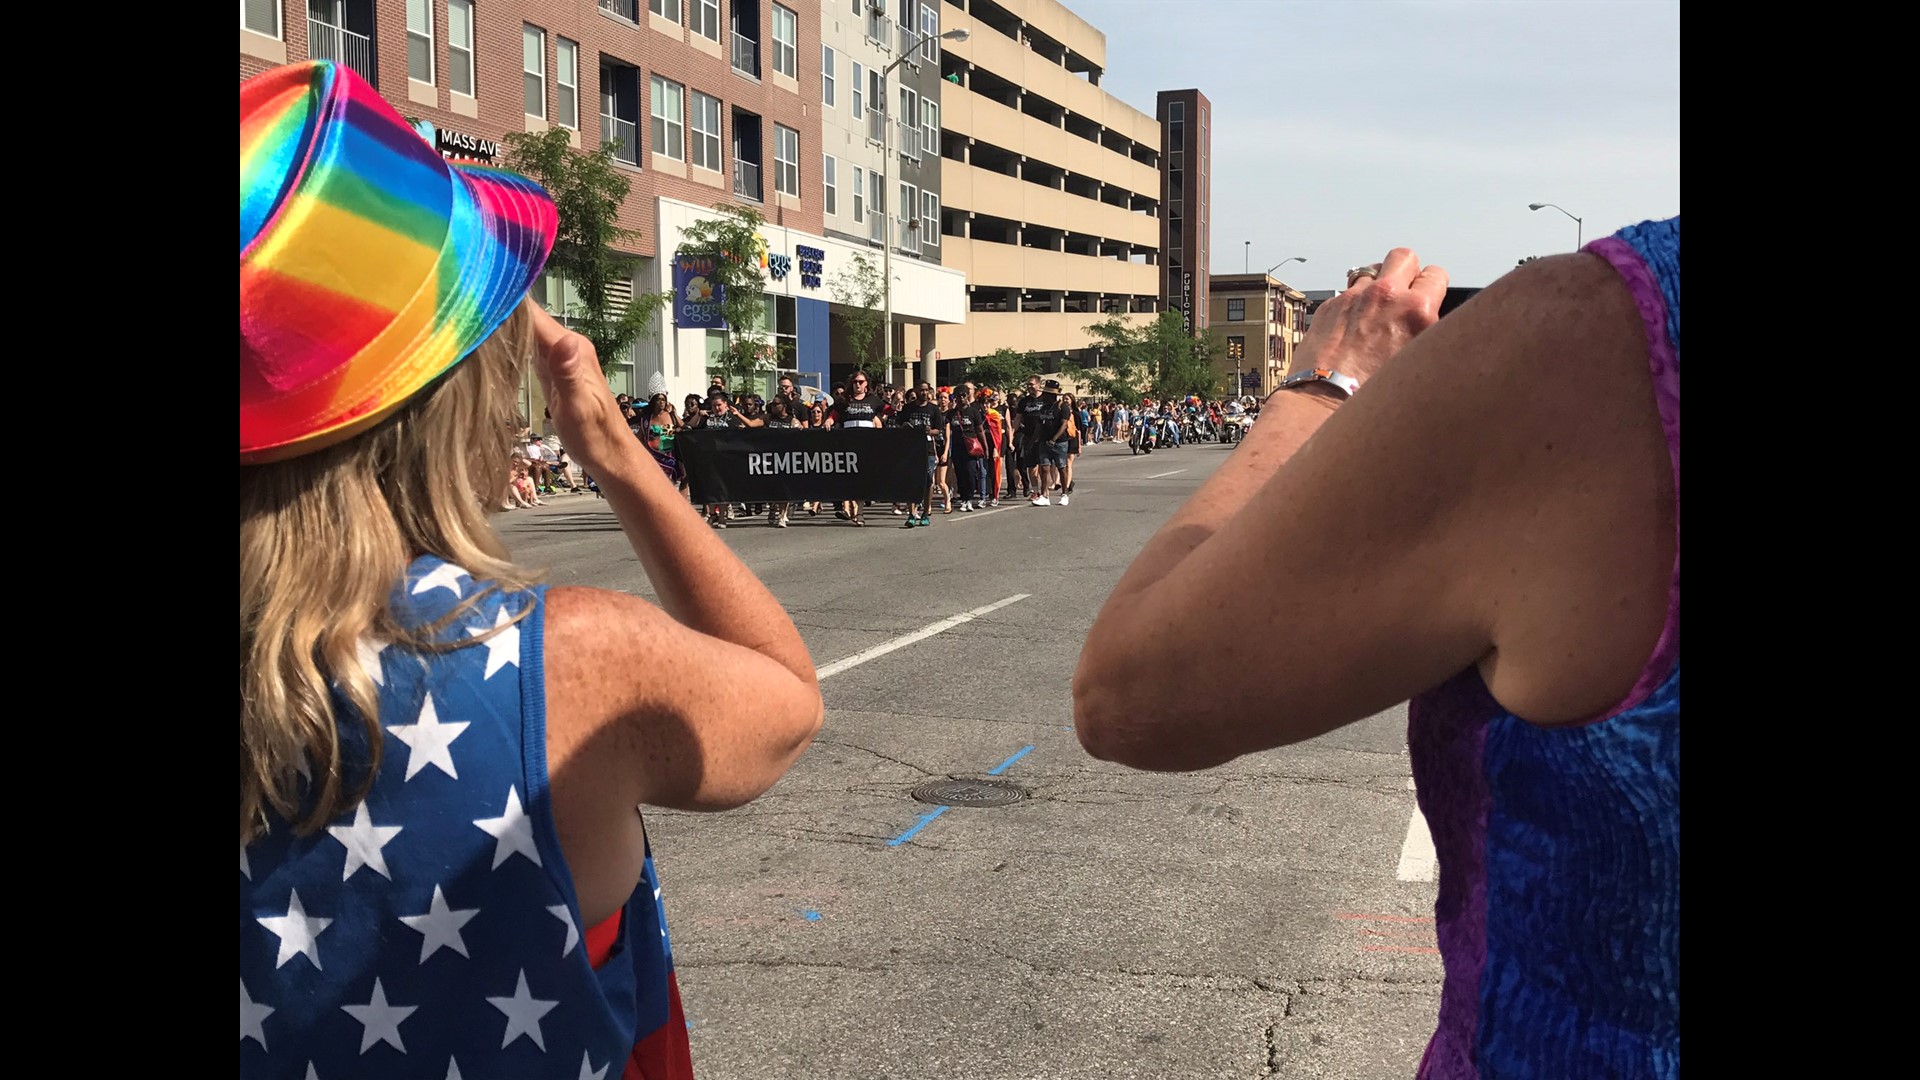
x=759 y=465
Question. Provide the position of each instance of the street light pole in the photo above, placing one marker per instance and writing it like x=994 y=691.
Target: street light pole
x=1246 y=256
x=1579 y=227
x=1283 y=262
x=887 y=193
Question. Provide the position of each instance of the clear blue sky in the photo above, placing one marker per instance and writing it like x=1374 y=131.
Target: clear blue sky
x=1343 y=129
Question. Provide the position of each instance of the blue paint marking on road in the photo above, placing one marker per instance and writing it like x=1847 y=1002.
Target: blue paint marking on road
x=1007 y=764
x=925 y=820
x=810 y=915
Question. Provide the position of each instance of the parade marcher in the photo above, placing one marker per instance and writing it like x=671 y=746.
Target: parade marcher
x=779 y=418
x=924 y=416
x=943 y=462
x=1037 y=427
x=1069 y=436
x=441 y=759
x=719 y=413
x=860 y=409
x=998 y=449
x=967 y=447
x=1526 y=603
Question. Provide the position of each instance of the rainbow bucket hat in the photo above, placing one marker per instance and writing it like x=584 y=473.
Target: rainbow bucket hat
x=369 y=264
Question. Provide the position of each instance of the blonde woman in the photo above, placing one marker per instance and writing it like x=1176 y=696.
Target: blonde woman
x=440 y=758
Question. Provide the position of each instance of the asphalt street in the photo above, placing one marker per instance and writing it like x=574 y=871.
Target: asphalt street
x=1271 y=917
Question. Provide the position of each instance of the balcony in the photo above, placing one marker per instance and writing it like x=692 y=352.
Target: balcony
x=746 y=179
x=876 y=124
x=877 y=23
x=906 y=40
x=908 y=139
x=624 y=136
x=326 y=41
x=746 y=55
x=877 y=227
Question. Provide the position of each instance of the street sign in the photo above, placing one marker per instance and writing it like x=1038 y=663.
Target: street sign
x=1250 y=380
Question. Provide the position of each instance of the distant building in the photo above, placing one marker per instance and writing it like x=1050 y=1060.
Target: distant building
x=1186 y=139
x=1262 y=318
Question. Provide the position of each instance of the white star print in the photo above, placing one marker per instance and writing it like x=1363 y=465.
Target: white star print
x=298 y=934
x=441 y=925
x=370 y=651
x=523 y=1014
x=559 y=911
x=445 y=576
x=252 y=1016
x=381 y=1021
x=514 y=831
x=588 y=1072
x=453 y=1069
x=429 y=742
x=503 y=648
x=363 y=840
x=311 y=1075
x=246 y=868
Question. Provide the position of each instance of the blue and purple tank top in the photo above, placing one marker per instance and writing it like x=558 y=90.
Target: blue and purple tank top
x=1559 y=848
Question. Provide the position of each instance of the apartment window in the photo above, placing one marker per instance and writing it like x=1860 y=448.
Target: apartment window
x=786 y=160
x=930 y=219
x=261 y=17
x=859 y=197
x=460 y=46
x=706 y=131
x=930 y=125
x=533 y=61
x=420 y=40
x=826 y=76
x=786 y=40
x=826 y=177
x=566 y=79
x=909 y=131
x=626 y=9
x=666 y=9
x=909 y=201
x=930 y=26
x=859 y=90
x=669 y=131
x=1176 y=111
x=620 y=108
x=1236 y=311
x=706 y=19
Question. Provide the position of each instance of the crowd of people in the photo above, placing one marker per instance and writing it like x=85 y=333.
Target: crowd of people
x=983 y=445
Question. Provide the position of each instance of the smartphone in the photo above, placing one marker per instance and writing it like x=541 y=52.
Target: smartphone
x=1454 y=298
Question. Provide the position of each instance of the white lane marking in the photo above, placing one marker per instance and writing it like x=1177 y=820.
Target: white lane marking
x=1418 y=860
x=921 y=634
x=969 y=515
x=1157 y=476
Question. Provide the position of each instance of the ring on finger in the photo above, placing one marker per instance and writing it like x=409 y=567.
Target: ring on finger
x=1359 y=272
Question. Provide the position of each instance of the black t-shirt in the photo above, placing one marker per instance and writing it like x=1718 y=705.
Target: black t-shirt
x=967 y=420
x=731 y=420
x=921 y=418
x=857 y=410
x=1039 y=417
x=779 y=423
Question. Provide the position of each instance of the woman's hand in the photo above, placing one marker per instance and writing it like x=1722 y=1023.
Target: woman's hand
x=1358 y=331
x=578 y=398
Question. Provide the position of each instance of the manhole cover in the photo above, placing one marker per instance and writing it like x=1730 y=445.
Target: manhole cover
x=969 y=793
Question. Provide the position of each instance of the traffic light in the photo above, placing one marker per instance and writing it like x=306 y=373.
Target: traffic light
x=1234 y=349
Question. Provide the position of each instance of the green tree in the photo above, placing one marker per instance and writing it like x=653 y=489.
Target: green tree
x=1159 y=359
x=1005 y=370
x=860 y=290
x=587 y=190
x=732 y=236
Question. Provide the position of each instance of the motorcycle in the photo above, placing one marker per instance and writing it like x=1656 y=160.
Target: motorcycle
x=1146 y=434
x=1235 y=428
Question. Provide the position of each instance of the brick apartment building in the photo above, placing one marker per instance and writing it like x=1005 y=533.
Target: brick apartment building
x=707 y=102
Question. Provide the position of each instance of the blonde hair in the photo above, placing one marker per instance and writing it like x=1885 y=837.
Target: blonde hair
x=324 y=539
